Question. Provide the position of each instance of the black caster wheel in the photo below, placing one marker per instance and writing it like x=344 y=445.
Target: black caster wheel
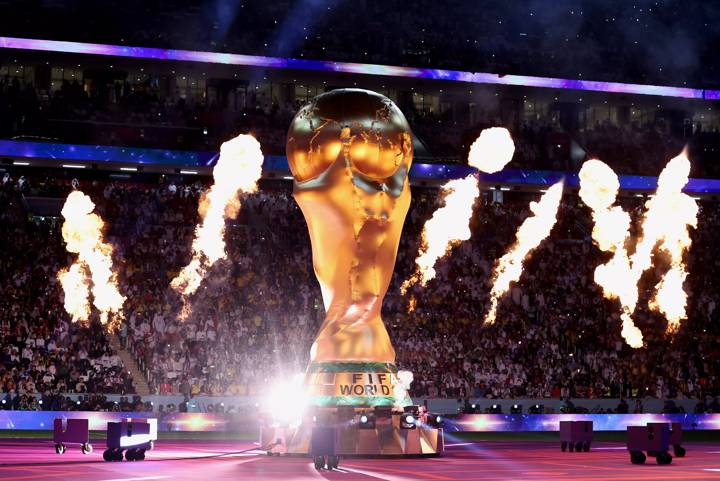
x=679 y=451
x=563 y=446
x=319 y=462
x=333 y=462
x=586 y=446
x=140 y=456
x=130 y=455
x=86 y=448
x=571 y=447
x=117 y=455
x=58 y=449
x=637 y=457
x=663 y=458
x=107 y=455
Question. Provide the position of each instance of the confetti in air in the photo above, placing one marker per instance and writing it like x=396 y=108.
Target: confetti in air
x=599 y=187
x=530 y=234
x=82 y=231
x=450 y=224
x=238 y=170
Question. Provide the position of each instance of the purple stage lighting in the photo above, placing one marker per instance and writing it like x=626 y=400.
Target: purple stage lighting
x=354 y=68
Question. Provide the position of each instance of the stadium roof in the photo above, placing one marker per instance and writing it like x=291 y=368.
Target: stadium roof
x=353 y=68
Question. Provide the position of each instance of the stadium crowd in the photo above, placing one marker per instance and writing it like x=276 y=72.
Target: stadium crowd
x=41 y=352
x=256 y=315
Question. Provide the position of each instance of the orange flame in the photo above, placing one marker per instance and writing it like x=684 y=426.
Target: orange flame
x=492 y=150
x=238 y=170
x=665 y=224
x=77 y=293
x=82 y=232
x=530 y=234
x=449 y=224
x=669 y=214
x=599 y=186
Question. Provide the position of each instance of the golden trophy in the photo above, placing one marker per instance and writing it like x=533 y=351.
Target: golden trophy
x=350 y=152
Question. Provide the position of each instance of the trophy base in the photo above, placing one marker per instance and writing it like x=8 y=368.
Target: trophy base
x=384 y=438
x=352 y=383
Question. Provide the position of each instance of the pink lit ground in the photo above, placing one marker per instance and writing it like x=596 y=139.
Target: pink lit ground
x=485 y=460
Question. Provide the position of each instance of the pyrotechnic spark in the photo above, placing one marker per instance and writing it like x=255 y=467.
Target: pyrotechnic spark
x=449 y=225
x=599 y=187
x=492 y=150
x=82 y=232
x=669 y=214
x=530 y=234
x=238 y=170
x=412 y=303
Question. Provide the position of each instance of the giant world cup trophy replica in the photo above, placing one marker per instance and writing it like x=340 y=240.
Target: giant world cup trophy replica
x=350 y=153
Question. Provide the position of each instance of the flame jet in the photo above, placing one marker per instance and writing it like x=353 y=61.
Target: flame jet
x=531 y=233
x=665 y=225
x=450 y=224
x=237 y=170
x=82 y=232
x=599 y=186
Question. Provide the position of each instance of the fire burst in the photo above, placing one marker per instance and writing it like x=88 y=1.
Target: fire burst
x=450 y=224
x=668 y=215
x=492 y=150
x=238 y=170
x=446 y=227
x=82 y=232
x=599 y=187
x=665 y=226
x=530 y=234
